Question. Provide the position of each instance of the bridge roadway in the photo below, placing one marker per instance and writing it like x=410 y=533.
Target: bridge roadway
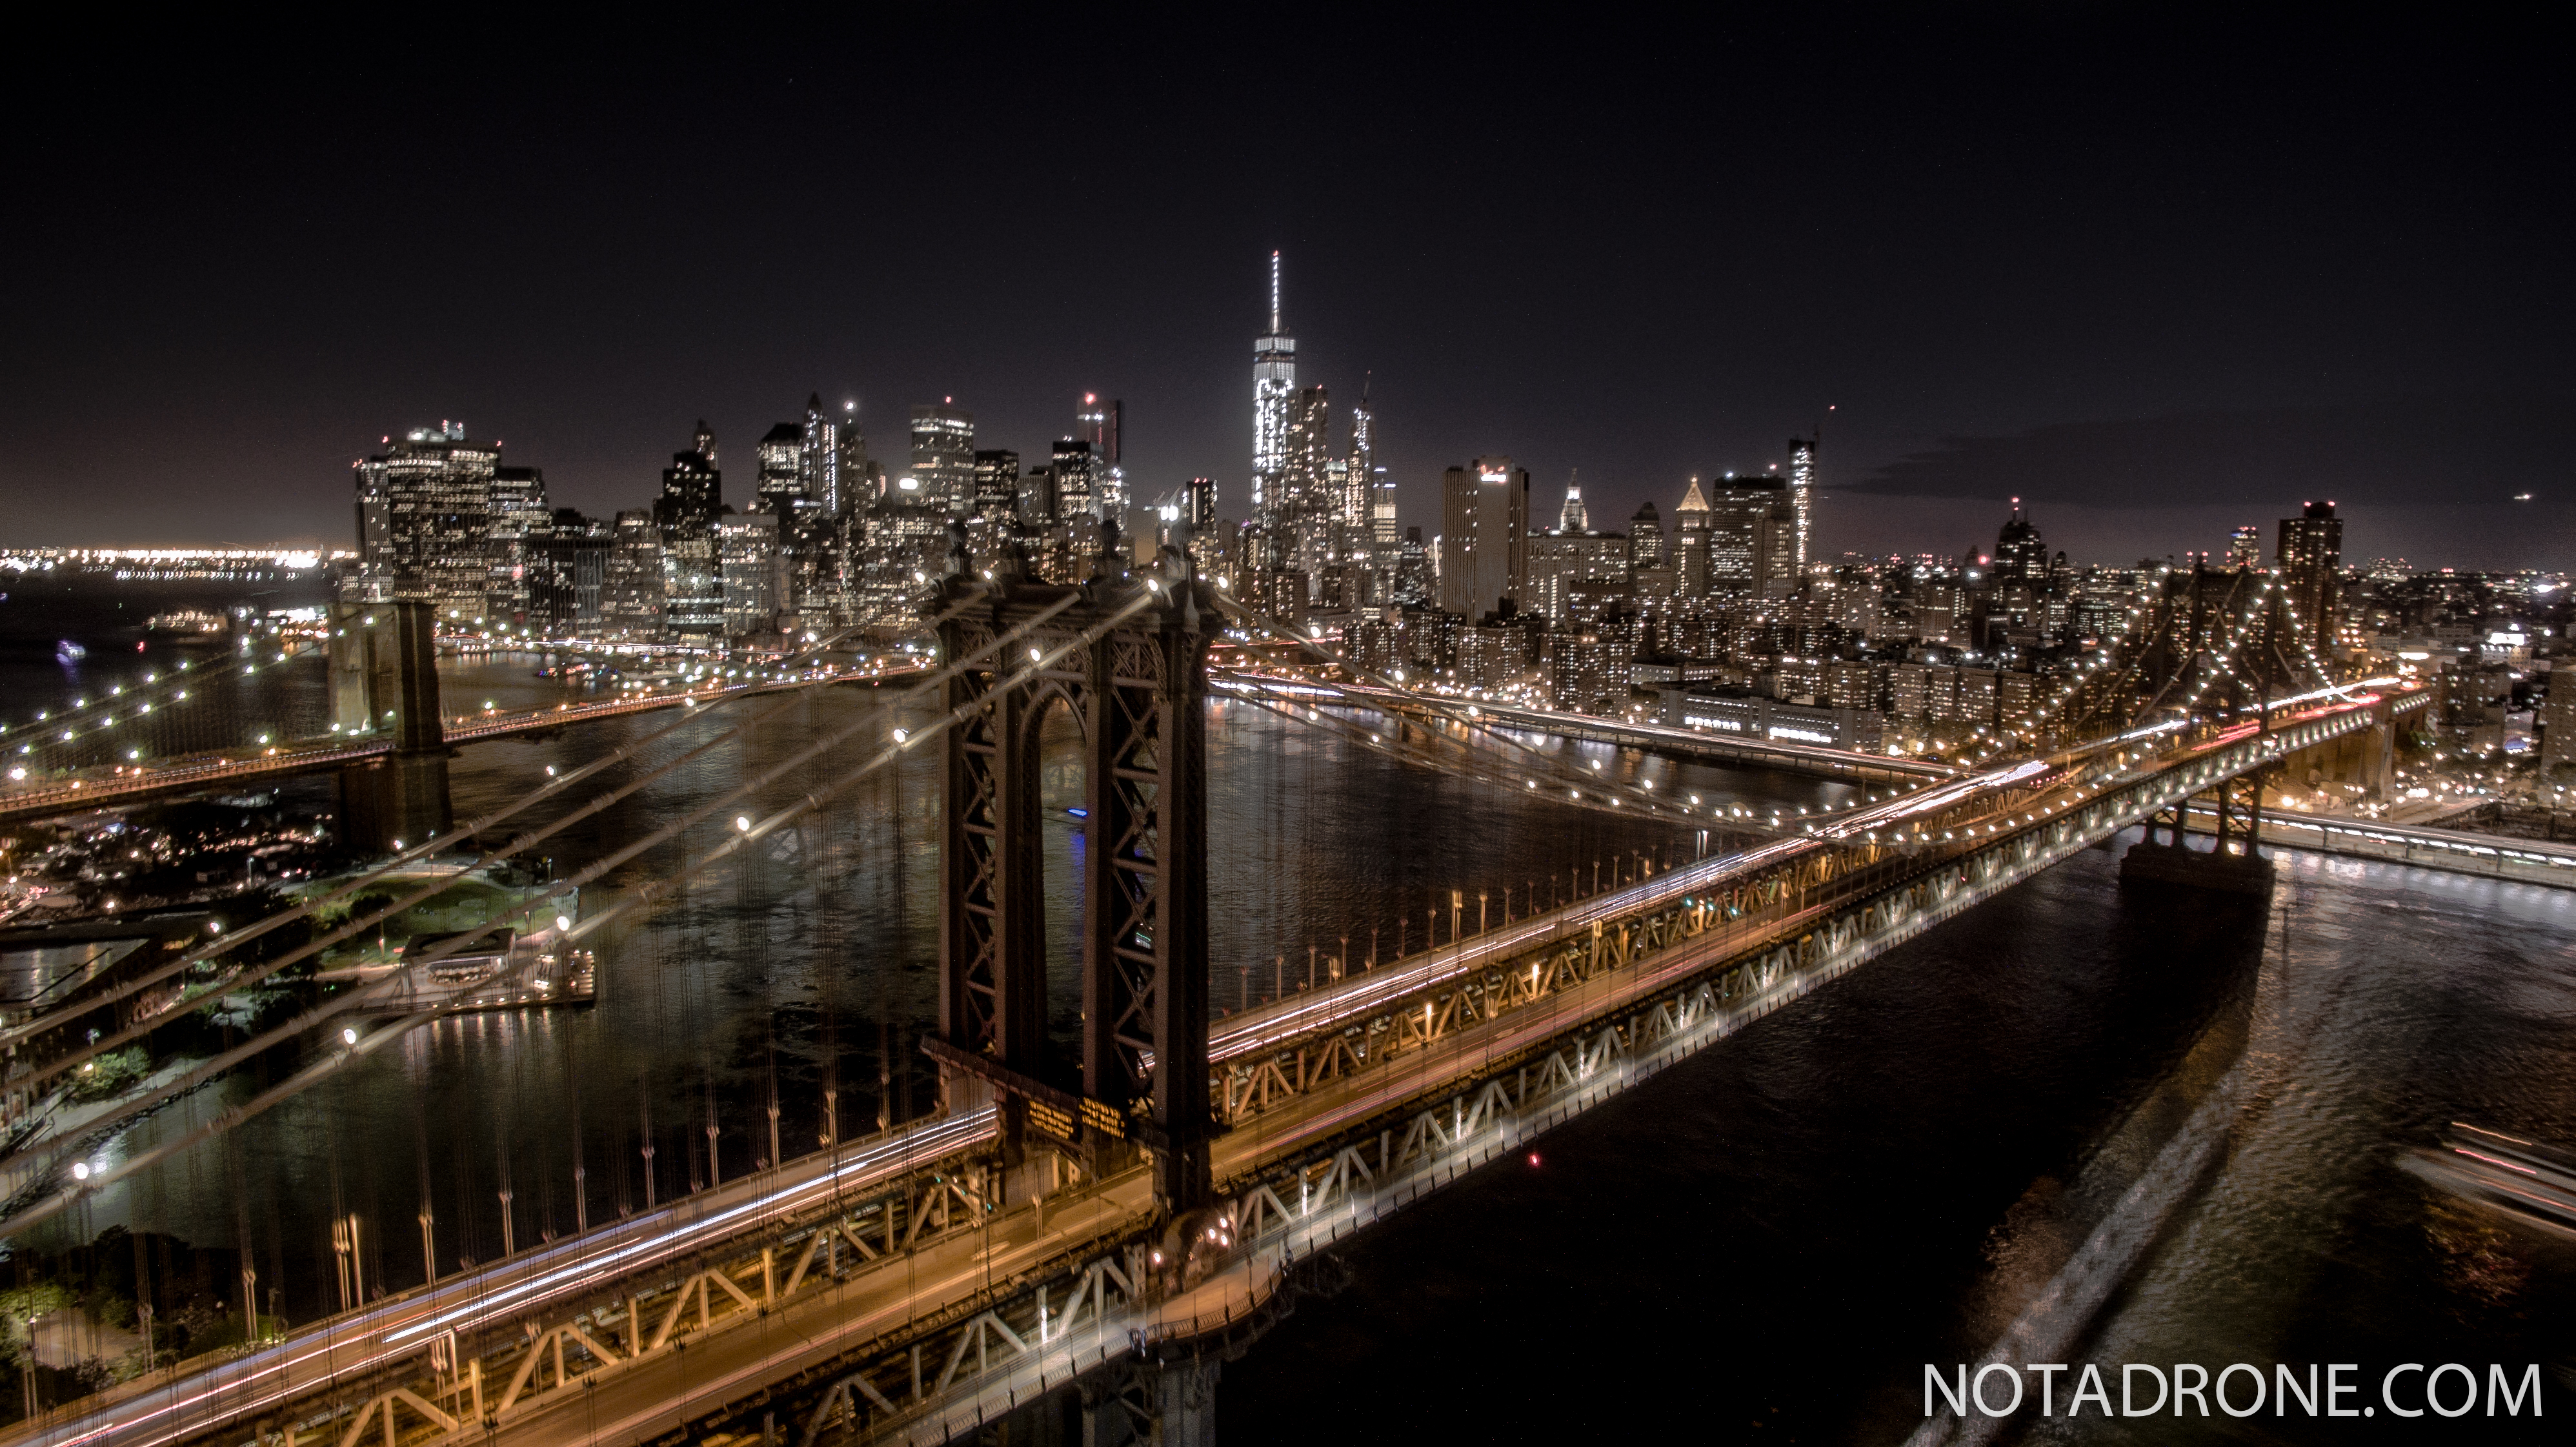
x=703 y=1375
x=135 y=785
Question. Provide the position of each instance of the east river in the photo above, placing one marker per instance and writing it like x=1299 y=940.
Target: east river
x=1768 y=1242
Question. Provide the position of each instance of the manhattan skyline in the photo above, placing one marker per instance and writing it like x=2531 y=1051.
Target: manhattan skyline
x=2323 y=269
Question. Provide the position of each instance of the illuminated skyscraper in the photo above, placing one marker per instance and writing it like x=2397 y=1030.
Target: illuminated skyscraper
x=819 y=457
x=1802 y=494
x=424 y=519
x=1574 y=517
x=519 y=526
x=2309 y=555
x=692 y=574
x=2245 y=547
x=1098 y=423
x=1077 y=476
x=1274 y=386
x=1355 y=510
x=1484 y=527
x=1690 y=543
x=943 y=457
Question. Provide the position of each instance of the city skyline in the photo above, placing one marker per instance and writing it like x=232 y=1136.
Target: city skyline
x=2107 y=318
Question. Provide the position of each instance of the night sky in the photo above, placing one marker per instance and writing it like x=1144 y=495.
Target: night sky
x=2157 y=271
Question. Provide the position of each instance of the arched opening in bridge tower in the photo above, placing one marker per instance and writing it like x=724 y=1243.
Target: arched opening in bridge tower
x=1062 y=782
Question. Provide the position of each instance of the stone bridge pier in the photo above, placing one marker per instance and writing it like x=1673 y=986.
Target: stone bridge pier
x=384 y=686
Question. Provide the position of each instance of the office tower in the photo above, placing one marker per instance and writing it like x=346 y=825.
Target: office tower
x=424 y=520
x=1690 y=543
x=1037 y=498
x=1098 y=423
x=1560 y=559
x=1484 y=524
x=781 y=482
x=1802 y=495
x=1302 y=511
x=515 y=535
x=1752 y=537
x=1274 y=384
x=819 y=458
x=1355 y=508
x=754 y=574
x=1645 y=538
x=2308 y=554
x=2020 y=556
x=943 y=457
x=1201 y=510
x=703 y=442
x=2245 y=547
x=1574 y=517
x=997 y=484
x=631 y=597
x=1076 y=471
x=566 y=594
x=692 y=578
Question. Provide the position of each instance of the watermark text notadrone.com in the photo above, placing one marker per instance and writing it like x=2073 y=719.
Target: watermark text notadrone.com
x=2337 y=1389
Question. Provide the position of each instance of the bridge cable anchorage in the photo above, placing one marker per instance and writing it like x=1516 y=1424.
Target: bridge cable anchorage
x=233 y=939
x=381 y=1037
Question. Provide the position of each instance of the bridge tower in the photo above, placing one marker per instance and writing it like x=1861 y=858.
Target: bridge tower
x=1138 y=687
x=384 y=686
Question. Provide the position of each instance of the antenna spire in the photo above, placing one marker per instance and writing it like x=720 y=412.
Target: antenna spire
x=1274 y=293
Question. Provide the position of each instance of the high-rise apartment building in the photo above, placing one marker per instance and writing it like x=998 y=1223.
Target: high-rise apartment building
x=424 y=520
x=692 y=575
x=1484 y=528
x=1274 y=385
x=2308 y=552
x=943 y=457
x=1802 y=496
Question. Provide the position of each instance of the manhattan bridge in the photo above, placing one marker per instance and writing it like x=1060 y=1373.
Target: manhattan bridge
x=1066 y=1235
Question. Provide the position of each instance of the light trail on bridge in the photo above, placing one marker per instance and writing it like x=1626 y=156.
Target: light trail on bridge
x=396 y=1329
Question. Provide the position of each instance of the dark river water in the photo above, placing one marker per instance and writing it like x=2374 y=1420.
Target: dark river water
x=1766 y=1243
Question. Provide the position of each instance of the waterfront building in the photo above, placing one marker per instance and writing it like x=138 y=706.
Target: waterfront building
x=631 y=602
x=515 y=537
x=692 y=575
x=424 y=521
x=753 y=572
